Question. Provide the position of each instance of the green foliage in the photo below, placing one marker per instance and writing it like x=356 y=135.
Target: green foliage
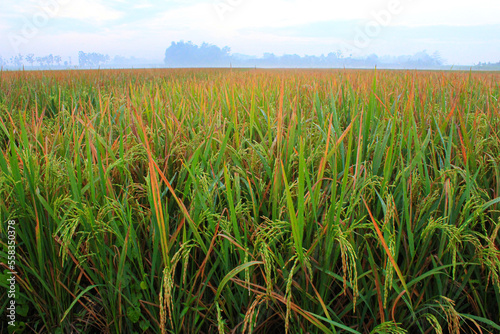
x=204 y=201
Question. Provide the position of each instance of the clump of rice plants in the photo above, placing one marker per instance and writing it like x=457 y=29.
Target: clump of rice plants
x=252 y=201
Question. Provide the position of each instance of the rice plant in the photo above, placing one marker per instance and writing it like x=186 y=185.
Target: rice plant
x=252 y=201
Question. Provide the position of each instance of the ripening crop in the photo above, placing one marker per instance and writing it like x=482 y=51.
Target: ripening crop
x=252 y=201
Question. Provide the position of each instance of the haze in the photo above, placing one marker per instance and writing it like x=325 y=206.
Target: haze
x=463 y=33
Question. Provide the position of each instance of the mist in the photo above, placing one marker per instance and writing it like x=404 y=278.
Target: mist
x=137 y=34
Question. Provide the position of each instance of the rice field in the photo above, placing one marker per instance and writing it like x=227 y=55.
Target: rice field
x=251 y=201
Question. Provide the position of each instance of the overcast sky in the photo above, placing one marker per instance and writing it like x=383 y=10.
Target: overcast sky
x=464 y=32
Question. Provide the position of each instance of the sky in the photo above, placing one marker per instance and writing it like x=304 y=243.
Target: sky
x=463 y=32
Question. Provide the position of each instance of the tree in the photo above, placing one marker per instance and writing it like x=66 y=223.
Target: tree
x=50 y=59
x=30 y=58
x=183 y=54
x=92 y=59
x=17 y=60
x=436 y=56
x=57 y=60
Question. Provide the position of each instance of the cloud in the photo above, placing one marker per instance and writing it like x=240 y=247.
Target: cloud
x=93 y=10
x=196 y=16
x=143 y=6
x=283 y=13
x=3 y=26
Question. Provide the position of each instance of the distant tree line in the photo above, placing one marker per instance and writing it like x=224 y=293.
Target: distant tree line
x=91 y=59
x=187 y=54
x=85 y=60
x=488 y=66
x=34 y=61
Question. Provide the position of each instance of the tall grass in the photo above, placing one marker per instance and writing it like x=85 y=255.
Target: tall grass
x=204 y=201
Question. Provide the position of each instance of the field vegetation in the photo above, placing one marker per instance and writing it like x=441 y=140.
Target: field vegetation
x=252 y=201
